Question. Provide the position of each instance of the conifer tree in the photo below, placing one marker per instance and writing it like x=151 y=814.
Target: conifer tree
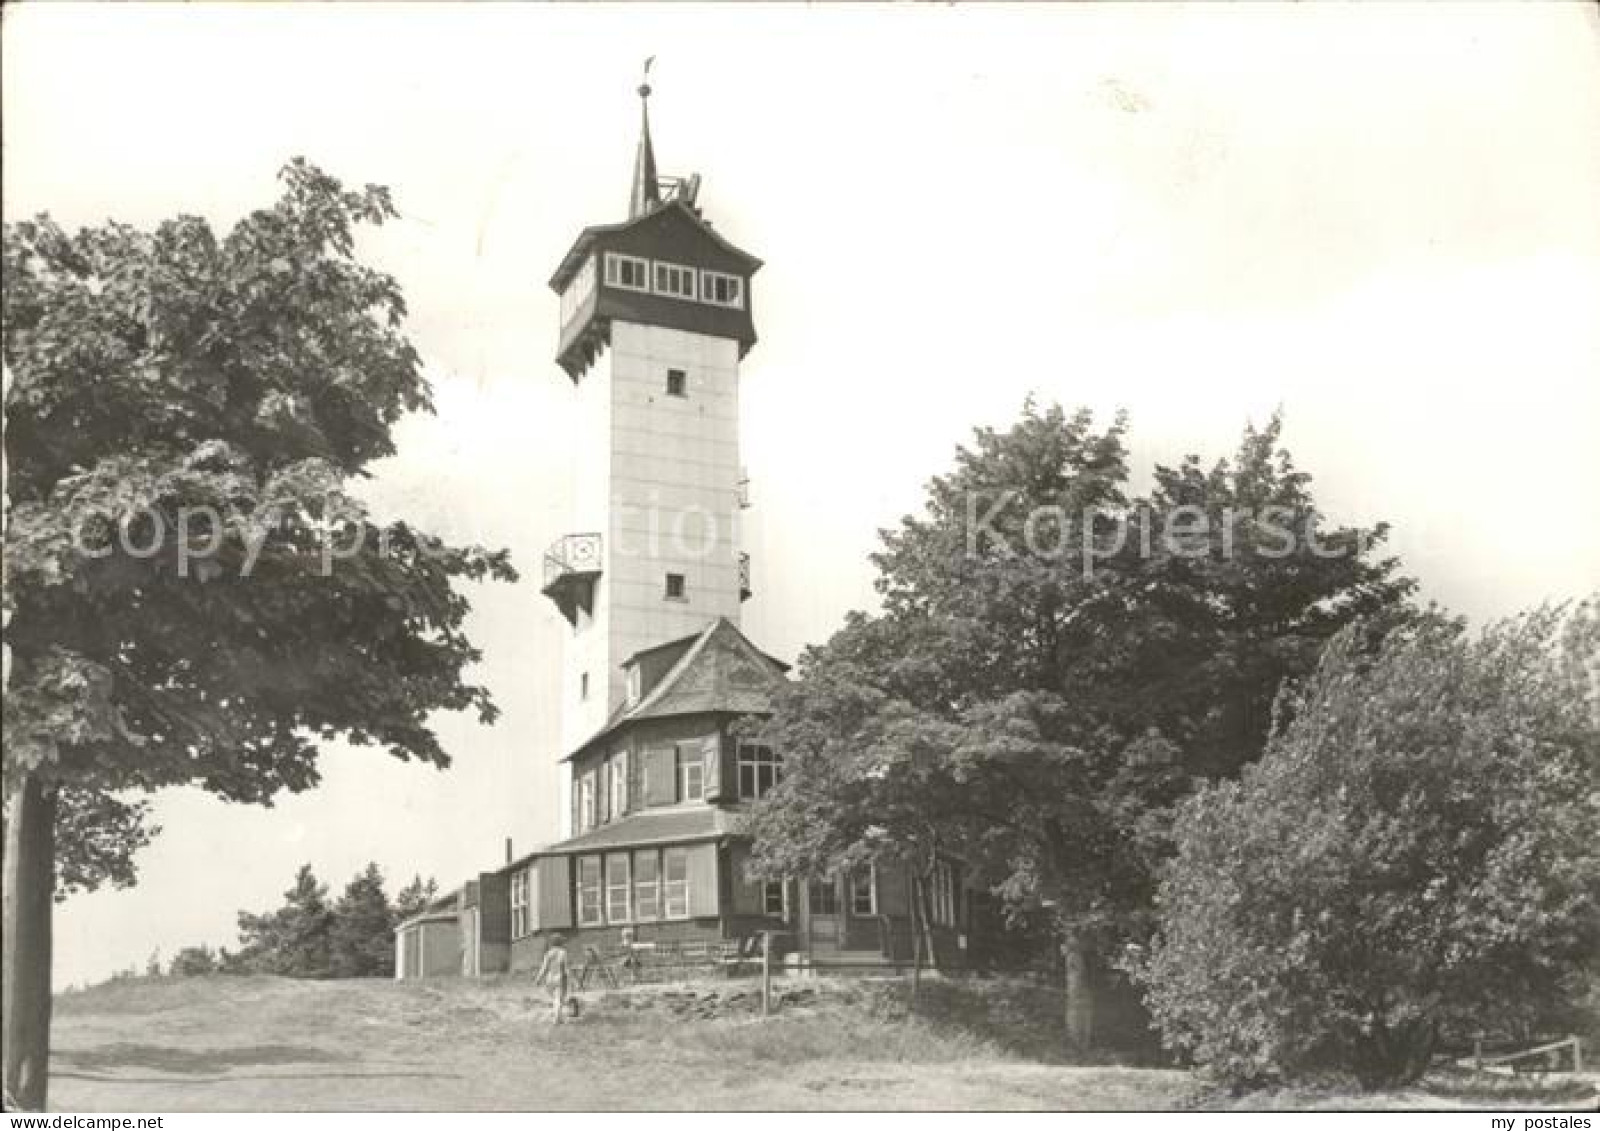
x=361 y=942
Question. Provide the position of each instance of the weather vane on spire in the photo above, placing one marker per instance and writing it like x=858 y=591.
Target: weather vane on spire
x=646 y=194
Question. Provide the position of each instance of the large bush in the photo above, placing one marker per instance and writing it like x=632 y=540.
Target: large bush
x=1415 y=854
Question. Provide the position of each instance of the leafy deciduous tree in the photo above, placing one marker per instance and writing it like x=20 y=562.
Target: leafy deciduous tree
x=194 y=962
x=1417 y=849
x=192 y=596
x=97 y=836
x=1055 y=663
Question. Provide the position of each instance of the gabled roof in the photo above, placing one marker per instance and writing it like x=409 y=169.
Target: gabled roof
x=585 y=241
x=720 y=673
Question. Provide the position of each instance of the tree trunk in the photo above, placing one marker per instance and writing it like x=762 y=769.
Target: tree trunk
x=925 y=922
x=1078 y=995
x=29 y=879
x=916 y=939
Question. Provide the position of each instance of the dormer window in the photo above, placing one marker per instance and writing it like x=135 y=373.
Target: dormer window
x=627 y=271
x=722 y=290
x=674 y=280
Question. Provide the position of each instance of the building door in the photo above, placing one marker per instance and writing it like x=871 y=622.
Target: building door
x=824 y=917
x=411 y=953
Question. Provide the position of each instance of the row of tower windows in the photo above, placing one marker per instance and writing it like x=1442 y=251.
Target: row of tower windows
x=675 y=280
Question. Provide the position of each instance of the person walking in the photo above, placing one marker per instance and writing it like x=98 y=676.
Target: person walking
x=554 y=974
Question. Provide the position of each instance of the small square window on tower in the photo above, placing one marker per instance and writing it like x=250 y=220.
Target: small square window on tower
x=677 y=383
x=676 y=588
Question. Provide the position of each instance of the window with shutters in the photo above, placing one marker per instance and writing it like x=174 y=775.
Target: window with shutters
x=692 y=774
x=675 y=883
x=589 y=911
x=759 y=770
x=647 y=884
x=617 y=889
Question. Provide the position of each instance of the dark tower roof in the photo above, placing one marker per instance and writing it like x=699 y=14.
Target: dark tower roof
x=664 y=228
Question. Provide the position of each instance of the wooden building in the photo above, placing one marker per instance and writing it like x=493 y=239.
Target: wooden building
x=655 y=767
x=658 y=797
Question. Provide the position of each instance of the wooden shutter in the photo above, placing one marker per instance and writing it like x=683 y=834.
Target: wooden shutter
x=636 y=796
x=624 y=787
x=661 y=775
x=711 y=765
x=703 y=901
x=552 y=893
x=894 y=890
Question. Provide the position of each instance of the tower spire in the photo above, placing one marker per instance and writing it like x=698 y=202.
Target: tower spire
x=646 y=187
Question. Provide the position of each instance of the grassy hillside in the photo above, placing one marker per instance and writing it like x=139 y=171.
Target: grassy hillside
x=278 y=1044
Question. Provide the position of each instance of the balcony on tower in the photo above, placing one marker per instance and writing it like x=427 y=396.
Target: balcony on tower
x=571 y=568
x=744 y=577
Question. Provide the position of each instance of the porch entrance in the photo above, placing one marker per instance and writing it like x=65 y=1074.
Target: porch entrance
x=824 y=916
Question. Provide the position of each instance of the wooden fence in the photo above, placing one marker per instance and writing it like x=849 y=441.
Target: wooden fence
x=1565 y=1055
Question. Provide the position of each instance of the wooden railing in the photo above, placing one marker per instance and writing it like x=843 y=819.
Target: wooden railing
x=1550 y=1055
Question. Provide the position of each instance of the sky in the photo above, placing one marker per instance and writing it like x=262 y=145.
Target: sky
x=1384 y=221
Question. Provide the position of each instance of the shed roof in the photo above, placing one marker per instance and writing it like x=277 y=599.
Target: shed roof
x=427 y=917
x=663 y=826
